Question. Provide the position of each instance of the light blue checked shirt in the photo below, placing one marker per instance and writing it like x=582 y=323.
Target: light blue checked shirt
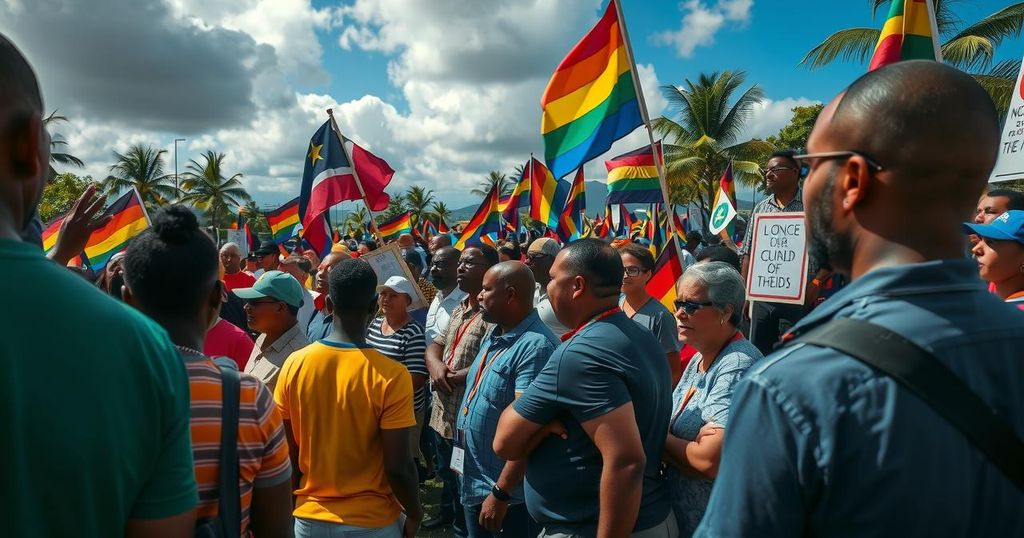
x=513 y=360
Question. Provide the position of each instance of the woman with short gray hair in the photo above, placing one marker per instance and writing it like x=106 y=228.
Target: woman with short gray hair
x=708 y=307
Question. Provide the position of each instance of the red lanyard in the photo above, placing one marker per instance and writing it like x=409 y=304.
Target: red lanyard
x=599 y=317
x=458 y=338
x=480 y=375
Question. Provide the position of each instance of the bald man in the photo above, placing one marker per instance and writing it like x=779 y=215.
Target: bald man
x=438 y=242
x=511 y=356
x=234 y=276
x=113 y=436
x=897 y=162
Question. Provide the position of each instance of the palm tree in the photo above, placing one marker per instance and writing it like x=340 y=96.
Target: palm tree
x=970 y=48
x=141 y=168
x=417 y=199
x=57 y=143
x=440 y=211
x=517 y=173
x=396 y=206
x=257 y=221
x=505 y=186
x=205 y=187
x=355 y=222
x=701 y=134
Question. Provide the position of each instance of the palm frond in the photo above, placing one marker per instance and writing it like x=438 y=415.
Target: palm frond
x=999 y=82
x=849 y=44
x=734 y=121
x=968 y=51
x=1005 y=23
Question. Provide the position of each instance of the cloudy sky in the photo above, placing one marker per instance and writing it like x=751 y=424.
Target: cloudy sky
x=444 y=90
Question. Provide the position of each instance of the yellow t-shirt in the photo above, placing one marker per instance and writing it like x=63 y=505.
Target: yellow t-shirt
x=336 y=399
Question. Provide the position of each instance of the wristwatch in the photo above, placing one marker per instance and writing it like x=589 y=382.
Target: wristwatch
x=500 y=494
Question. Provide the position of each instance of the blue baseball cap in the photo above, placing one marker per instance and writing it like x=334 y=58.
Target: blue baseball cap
x=1006 y=227
x=276 y=285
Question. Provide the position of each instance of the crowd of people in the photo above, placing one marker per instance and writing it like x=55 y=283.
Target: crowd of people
x=191 y=392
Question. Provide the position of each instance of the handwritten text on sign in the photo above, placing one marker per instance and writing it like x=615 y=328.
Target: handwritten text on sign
x=778 y=258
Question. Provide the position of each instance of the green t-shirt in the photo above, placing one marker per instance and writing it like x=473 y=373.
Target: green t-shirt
x=94 y=410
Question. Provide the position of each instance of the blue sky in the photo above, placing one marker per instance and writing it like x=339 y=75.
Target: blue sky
x=444 y=90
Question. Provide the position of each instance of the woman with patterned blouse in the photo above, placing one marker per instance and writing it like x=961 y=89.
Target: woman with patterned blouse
x=708 y=308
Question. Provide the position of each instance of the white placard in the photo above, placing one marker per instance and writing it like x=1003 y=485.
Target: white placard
x=1010 y=163
x=387 y=262
x=778 y=258
x=238 y=237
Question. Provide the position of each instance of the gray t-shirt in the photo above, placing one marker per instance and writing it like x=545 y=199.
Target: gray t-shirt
x=654 y=317
x=712 y=393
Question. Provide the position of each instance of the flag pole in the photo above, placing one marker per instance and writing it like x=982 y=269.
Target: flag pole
x=355 y=173
x=643 y=112
x=935 y=30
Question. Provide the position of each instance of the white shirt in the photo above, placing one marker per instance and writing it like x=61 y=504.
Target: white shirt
x=440 y=312
x=307 y=309
x=265 y=364
x=546 y=313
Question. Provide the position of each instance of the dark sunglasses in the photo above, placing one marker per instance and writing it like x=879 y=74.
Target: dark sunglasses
x=690 y=307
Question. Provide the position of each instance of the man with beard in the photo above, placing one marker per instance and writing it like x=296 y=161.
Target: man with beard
x=769 y=321
x=819 y=442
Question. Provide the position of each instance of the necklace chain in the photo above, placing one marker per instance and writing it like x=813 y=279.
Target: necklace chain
x=188 y=350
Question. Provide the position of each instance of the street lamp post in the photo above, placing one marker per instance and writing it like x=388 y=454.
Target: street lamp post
x=177 y=192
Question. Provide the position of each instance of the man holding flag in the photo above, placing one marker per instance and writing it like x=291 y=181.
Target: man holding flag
x=769 y=321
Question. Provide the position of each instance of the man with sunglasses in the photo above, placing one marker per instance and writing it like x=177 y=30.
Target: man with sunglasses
x=272 y=309
x=820 y=443
x=769 y=321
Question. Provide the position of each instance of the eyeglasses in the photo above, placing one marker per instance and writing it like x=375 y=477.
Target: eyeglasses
x=839 y=155
x=632 y=270
x=777 y=169
x=690 y=307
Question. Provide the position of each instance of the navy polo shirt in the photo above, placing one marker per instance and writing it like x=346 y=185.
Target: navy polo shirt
x=607 y=364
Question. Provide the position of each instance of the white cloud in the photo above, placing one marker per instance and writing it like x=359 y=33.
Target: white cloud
x=467 y=80
x=770 y=115
x=701 y=22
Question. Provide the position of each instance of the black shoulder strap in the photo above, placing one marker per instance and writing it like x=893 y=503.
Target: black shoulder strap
x=920 y=372
x=229 y=504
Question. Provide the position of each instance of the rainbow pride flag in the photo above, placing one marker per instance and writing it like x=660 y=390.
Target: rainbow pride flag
x=284 y=221
x=681 y=225
x=485 y=223
x=633 y=177
x=128 y=219
x=591 y=98
x=395 y=226
x=51 y=231
x=909 y=33
x=570 y=222
x=547 y=194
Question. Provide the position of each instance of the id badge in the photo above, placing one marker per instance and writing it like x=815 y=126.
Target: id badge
x=458 y=453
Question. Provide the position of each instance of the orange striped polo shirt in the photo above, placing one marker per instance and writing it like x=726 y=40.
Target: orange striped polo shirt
x=262 y=448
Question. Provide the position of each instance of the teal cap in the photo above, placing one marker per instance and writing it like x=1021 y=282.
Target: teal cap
x=276 y=285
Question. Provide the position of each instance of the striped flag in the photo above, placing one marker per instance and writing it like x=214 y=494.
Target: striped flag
x=681 y=224
x=485 y=223
x=570 y=223
x=626 y=222
x=591 y=98
x=284 y=222
x=909 y=33
x=547 y=194
x=395 y=226
x=442 y=226
x=633 y=177
x=51 y=231
x=656 y=229
x=667 y=270
x=128 y=219
x=329 y=178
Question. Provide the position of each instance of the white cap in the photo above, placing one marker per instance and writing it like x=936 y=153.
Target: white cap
x=398 y=284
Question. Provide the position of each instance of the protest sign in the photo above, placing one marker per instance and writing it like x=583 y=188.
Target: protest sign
x=387 y=262
x=1010 y=162
x=778 y=258
x=239 y=238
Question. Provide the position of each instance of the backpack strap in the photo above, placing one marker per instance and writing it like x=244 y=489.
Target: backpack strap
x=229 y=510
x=924 y=375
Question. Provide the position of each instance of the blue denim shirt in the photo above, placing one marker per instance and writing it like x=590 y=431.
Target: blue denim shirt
x=320 y=325
x=820 y=444
x=514 y=359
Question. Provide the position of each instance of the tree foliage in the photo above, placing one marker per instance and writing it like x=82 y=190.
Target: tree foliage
x=701 y=130
x=205 y=187
x=60 y=194
x=141 y=168
x=970 y=47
